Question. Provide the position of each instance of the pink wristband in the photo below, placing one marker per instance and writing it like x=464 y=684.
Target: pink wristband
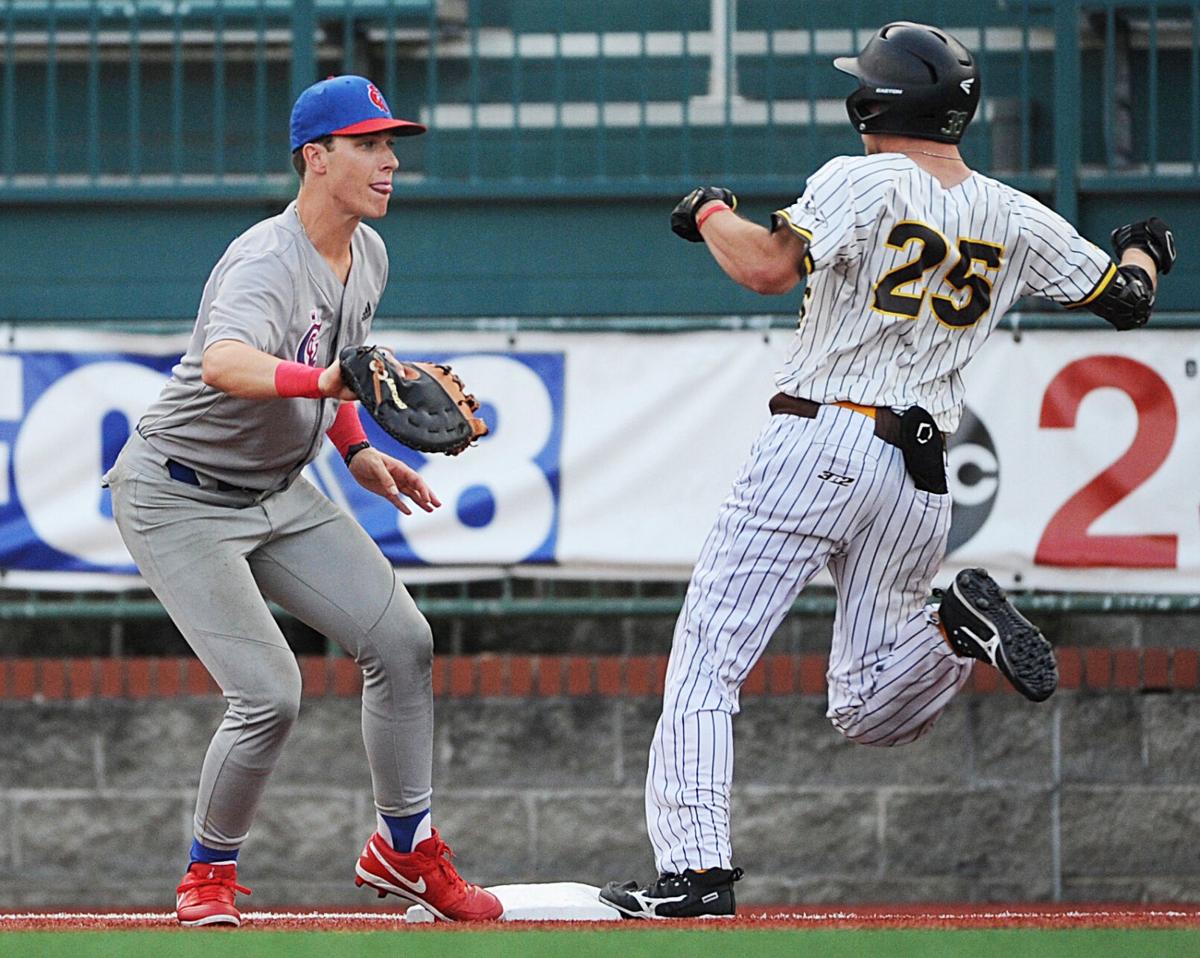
x=295 y=380
x=714 y=208
x=347 y=428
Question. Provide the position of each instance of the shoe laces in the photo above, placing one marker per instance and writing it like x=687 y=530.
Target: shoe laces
x=678 y=879
x=666 y=880
x=442 y=854
x=210 y=881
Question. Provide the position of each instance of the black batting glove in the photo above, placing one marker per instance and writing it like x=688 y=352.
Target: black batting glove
x=683 y=217
x=1153 y=237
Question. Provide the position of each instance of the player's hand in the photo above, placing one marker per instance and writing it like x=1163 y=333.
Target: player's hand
x=683 y=217
x=1153 y=237
x=331 y=385
x=393 y=480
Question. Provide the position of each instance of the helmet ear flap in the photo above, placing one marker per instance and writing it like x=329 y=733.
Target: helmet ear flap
x=862 y=110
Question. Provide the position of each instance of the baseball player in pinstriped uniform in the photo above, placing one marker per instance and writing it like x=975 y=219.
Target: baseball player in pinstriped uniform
x=209 y=499
x=912 y=259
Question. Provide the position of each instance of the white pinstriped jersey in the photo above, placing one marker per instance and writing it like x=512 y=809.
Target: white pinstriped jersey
x=909 y=278
x=906 y=281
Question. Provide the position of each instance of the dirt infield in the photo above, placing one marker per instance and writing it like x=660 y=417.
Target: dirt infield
x=780 y=918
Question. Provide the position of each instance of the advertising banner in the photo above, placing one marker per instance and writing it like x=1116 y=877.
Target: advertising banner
x=1074 y=468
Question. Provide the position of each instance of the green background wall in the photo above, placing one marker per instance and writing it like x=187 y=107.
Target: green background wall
x=532 y=257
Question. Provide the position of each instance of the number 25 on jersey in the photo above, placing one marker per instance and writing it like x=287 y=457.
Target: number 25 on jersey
x=930 y=253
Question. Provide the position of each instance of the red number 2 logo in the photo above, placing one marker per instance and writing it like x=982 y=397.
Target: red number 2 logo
x=1066 y=541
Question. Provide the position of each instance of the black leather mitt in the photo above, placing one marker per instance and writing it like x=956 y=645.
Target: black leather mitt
x=422 y=405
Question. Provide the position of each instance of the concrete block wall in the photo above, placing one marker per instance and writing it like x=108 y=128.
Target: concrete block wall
x=539 y=763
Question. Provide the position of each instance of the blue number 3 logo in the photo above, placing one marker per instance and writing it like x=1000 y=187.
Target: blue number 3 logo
x=499 y=498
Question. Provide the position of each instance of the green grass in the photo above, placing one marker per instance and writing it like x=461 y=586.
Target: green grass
x=627 y=943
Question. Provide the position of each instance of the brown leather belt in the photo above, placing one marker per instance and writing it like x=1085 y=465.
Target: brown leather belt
x=887 y=423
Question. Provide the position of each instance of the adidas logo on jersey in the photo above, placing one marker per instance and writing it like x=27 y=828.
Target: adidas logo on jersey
x=835 y=478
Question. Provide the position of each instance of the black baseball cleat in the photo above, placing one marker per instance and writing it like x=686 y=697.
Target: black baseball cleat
x=979 y=622
x=693 y=894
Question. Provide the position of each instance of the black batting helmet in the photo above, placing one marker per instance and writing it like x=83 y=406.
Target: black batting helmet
x=915 y=80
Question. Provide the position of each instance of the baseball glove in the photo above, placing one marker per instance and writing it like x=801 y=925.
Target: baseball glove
x=683 y=217
x=421 y=405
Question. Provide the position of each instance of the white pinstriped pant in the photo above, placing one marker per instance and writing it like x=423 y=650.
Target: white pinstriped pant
x=890 y=671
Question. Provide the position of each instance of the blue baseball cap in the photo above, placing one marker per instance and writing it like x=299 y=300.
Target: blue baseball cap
x=344 y=106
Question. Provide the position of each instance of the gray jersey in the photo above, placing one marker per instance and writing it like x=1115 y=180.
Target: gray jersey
x=271 y=290
x=909 y=278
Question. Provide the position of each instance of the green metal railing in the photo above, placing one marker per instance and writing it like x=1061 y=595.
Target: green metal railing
x=542 y=598
x=153 y=99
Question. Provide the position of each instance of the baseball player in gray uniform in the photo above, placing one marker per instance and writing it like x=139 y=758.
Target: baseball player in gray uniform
x=912 y=259
x=210 y=501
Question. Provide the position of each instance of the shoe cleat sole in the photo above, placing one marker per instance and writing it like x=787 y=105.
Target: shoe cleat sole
x=1014 y=645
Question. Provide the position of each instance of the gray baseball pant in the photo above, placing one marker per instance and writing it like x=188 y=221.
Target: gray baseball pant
x=211 y=557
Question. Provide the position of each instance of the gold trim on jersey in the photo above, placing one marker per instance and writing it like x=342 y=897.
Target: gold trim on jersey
x=806 y=235
x=1100 y=287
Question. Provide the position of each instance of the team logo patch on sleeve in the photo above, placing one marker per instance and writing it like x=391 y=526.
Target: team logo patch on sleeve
x=307 y=351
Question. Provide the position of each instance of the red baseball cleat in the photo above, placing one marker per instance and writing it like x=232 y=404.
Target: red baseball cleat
x=426 y=877
x=205 y=896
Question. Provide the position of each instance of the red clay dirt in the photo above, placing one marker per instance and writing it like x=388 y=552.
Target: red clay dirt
x=783 y=917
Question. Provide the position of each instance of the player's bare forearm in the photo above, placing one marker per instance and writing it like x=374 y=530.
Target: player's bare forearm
x=1135 y=257
x=752 y=256
x=241 y=370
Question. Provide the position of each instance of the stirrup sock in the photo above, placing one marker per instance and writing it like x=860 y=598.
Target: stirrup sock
x=211 y=856
x=405 y=832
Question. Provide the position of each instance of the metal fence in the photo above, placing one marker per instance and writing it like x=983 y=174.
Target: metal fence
x=554 y=597
x=156 y=98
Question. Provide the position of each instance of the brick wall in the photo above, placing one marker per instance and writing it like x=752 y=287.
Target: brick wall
x=539 y=761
